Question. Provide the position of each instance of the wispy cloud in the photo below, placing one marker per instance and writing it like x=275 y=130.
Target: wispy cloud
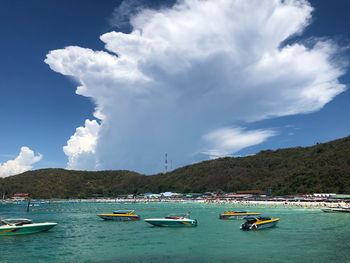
x=226 y=141
x=23 y=162
x=192 y=69
x=122 y=14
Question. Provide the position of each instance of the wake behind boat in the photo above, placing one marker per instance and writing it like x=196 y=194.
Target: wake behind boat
x=121 y=215
x=173 y=221
x=22 y=226
x=257 y=223
x=228 y=215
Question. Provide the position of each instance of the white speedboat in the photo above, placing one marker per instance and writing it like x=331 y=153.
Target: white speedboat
x=173 y=221
x=341 y=209
x=22 y=226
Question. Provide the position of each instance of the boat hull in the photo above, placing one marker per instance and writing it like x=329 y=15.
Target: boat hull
x=25 y=229
x=119 y=218
x=336 y=210
x=264 y=226
x=172 y=222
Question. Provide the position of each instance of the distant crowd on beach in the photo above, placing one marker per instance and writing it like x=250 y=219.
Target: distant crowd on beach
x=245 y=203
x=240 y=199
x=301 y=204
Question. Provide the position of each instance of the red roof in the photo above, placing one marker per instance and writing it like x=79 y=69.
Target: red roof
x=21 y=195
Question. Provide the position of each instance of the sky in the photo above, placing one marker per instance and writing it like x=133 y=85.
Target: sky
x=102 y=85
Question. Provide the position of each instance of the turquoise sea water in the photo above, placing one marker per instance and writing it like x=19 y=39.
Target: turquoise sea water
x=302 y=235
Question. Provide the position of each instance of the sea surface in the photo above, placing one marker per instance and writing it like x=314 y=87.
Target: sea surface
x=302 y=235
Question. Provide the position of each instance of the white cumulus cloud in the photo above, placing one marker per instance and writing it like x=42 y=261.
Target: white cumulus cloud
x=193 y=69
x=22 y=163
x=80 y=148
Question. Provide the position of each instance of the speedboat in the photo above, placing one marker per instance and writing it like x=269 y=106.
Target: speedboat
x=173 y=221
x=259 y=222
x=227 y=215
x=22 y=226
x=336 y=209
x=121 y=215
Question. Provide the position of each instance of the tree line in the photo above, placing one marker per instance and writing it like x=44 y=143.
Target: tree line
x=323 y=167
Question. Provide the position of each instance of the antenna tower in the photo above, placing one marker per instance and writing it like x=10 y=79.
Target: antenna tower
x=166 y=163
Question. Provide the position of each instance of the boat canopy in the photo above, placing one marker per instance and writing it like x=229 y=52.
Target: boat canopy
x=255 y=218
x=123 y=211
x=249 y=217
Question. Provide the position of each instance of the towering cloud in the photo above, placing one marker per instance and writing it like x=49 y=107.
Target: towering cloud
x=22 y=163
x=80 y=148
x=186 y=73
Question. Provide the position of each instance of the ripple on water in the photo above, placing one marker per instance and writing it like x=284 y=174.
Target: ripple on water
x=302 y=235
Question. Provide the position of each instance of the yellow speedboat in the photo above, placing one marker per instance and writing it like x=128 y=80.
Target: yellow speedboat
x=121 y=215
x=227 y=215
x=256 y=223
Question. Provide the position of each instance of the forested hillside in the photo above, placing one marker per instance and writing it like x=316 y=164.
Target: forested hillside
x=321 y=168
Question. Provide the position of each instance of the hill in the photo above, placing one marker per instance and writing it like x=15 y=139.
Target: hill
x=321 y=168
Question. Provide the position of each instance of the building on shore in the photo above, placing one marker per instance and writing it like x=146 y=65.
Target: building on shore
x=20 y=197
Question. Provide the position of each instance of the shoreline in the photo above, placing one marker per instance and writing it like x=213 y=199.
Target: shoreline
x=247 y=203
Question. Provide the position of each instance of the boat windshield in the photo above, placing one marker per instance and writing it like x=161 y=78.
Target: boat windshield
x=123 y=211
x=252 y=220
x=178 y=216
x=16 y=222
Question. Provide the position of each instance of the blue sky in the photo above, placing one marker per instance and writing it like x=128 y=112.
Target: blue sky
x=40 y=108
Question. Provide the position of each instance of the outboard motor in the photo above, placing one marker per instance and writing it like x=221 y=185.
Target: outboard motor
x=245 y=226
